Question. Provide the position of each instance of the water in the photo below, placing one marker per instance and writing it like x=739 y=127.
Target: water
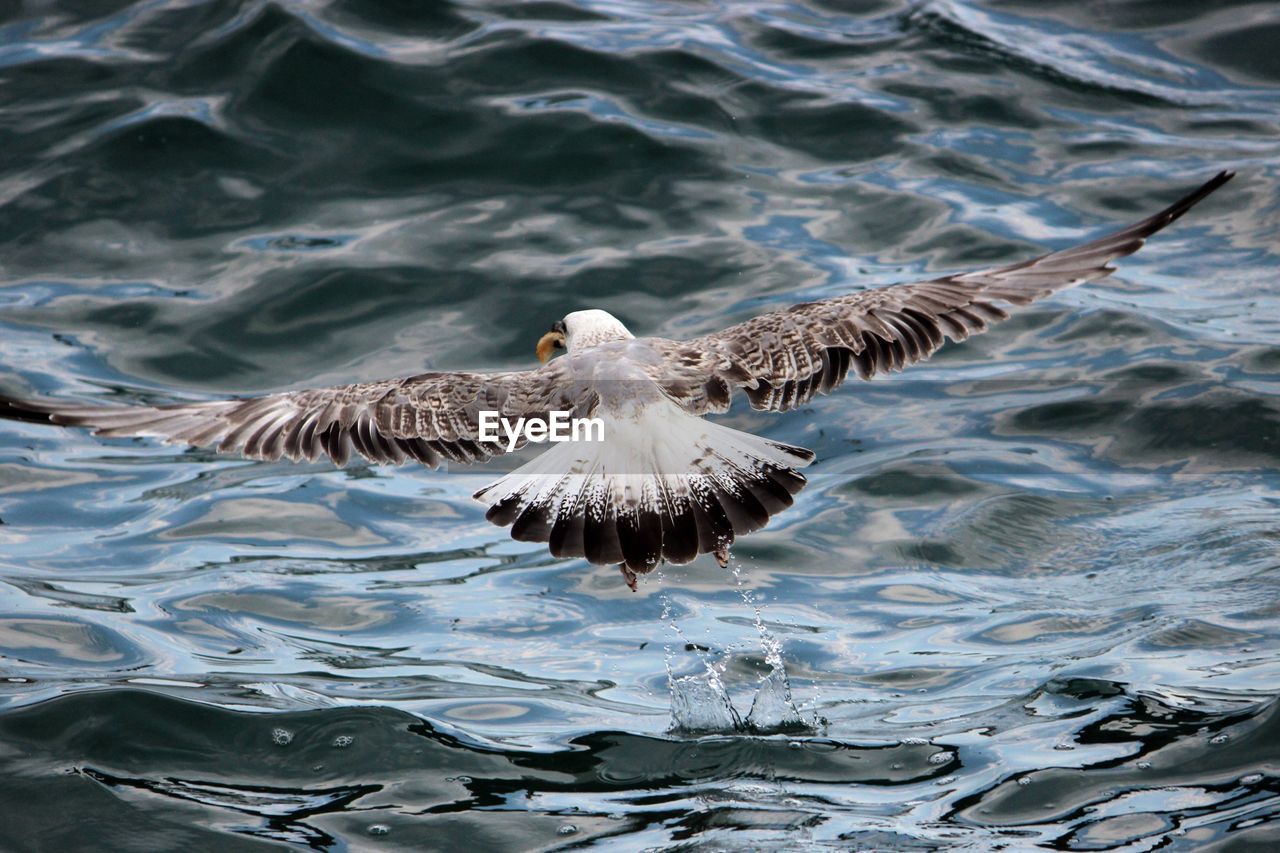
x=1029 y=598
x=702 y=704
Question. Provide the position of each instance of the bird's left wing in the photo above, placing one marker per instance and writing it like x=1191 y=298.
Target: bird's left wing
x=782 y=359
x=431 y=417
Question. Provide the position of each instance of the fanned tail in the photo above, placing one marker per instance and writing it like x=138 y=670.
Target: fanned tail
x=665 y=485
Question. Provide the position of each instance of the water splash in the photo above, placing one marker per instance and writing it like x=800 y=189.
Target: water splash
x=773 y=708
x=702 y=706
x=701 y=703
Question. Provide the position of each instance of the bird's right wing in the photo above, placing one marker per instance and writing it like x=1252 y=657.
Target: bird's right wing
x=783 y=358
x=431 y=417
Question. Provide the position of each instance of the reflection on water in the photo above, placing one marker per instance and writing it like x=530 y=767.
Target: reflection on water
x=1028 y=598
x=1135 y=768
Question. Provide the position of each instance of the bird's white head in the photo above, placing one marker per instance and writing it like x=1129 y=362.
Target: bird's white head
x=580 y=330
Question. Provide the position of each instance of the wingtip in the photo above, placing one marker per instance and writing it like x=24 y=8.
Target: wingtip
x=1219 y=179
x=1213 y=183
x=13 y=409
x=1174 y=211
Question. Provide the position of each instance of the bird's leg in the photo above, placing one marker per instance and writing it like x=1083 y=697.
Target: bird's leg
x=722 y=554
x=628 y=576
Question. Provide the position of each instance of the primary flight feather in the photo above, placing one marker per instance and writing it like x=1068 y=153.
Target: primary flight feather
x=664 y=483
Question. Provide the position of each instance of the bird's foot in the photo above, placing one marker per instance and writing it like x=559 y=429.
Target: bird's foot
x=722 y=555
x=628 y=576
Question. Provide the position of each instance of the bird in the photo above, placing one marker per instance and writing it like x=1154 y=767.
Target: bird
x=661 y=483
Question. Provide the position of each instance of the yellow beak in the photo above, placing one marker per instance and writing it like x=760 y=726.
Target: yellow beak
x=549 y=342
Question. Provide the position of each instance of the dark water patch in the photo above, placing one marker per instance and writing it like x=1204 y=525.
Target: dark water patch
x=1240 y=50
x=806 y=41
x=1103 y=327
x=1217 y=429
x=1004 y=530
x=201 y=344
x=960 y=47
x=916 y=485
x=1210 y=758
x=951 y=107
x=1136 y=15
x=444 y=21
x=231 y=54
x=312 y=84
x=849 y=132
x=1077 y=414
x=929 y=552
x=548 y=11
x=331 y=776
x=1263 y=360
x=1153 y=374
x=1226 y=425
x=1199 y=634
x=171 y=145
x=294 y=769
x=919 y=679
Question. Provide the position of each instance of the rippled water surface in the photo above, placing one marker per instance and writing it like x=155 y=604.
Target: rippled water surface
x=1029 y=599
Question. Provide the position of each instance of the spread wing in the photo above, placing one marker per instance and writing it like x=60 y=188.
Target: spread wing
x=431 y=417
x=782 y=359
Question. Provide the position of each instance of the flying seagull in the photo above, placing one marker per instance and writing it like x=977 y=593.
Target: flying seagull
x=663 y=483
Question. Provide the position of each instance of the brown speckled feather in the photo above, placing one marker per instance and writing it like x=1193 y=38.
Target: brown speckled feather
x=431 y=417
x=782 y=359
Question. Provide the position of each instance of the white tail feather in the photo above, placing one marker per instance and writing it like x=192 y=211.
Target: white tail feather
x=662 y=485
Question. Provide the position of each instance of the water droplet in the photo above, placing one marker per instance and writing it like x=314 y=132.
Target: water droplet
x=795 y=744
x=282 y=737
x=941 y=757
x=1251 y=779
x=897 y=765
x=1218 y=740
x=343 y=741
x=317 y=767
x=1064 y=746
x=1024 y=781
x=379 y=829
x=914 y=741
x=1144 y=765
x=567 y=829
x=946 y=780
